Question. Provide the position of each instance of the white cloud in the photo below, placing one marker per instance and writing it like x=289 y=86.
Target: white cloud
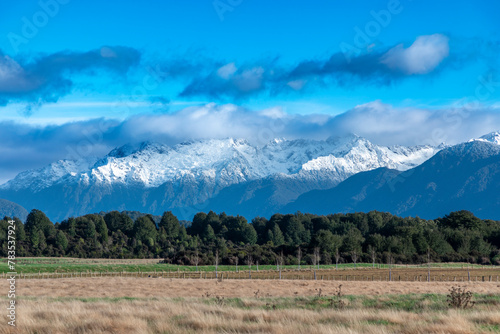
x=387 y=125
x=276 y=112
x=227 y=71
x=422 y=57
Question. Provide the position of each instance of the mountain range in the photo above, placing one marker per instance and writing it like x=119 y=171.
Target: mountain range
x=335 y=175
x=461 y=177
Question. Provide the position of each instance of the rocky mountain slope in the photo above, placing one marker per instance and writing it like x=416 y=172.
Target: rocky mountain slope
x=153 y=177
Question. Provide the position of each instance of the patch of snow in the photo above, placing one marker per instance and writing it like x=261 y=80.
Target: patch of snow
x=492 y=137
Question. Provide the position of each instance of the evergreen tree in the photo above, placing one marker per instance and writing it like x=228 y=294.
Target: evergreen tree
x=90 y=232
x=249 y=235
x=116 y=221
x=34 y=240
x=42 y=242
x=198 y=225
x=102 y=230
x=270 y=237
x=38 y=221
x=145 y=230
x=353 y=241
x=61 y=240
x=278 y=238
x=209 y=234
x=171 y=225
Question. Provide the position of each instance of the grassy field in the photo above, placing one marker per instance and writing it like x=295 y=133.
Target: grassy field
x=407 y=314
x=168 y=305
x=121 y=287
x=73 y=265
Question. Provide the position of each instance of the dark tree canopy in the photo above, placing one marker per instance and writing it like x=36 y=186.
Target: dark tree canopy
x=458 y=236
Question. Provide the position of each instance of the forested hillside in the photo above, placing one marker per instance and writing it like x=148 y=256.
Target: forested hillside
x=361 y=237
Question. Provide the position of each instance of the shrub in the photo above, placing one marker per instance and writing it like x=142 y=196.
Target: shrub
x=460 y=298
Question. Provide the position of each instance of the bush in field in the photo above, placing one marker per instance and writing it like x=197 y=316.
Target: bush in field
x=336 y=300
x=460 y=298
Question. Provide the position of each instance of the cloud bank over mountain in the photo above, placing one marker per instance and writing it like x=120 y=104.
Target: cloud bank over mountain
x=28 y=146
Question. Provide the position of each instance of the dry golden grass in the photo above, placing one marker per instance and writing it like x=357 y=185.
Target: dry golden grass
x=45 y=316
x=62 y=306
x=159 y=287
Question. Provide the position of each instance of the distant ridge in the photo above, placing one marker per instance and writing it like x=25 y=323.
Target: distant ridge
x=11 y=209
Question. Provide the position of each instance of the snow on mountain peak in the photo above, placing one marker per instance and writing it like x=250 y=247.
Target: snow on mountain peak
x=362 y=155
x=278 y=140
x=492 y=137
x=41 y=178
x=222 y=162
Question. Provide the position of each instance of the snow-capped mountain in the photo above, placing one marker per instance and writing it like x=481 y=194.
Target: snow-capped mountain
x=154 y=177
x=461 y=177
x=220 y=163
x=492 y=137
x=229 y=175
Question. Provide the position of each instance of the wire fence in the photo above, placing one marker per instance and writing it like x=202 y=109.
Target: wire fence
x=393 y=274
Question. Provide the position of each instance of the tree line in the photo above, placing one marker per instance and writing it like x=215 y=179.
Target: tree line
x=291 y=239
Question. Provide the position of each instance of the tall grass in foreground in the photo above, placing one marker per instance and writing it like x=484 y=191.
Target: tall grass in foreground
x=408 y=314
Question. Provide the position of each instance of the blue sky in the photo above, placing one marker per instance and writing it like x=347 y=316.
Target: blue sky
x=70 y=62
